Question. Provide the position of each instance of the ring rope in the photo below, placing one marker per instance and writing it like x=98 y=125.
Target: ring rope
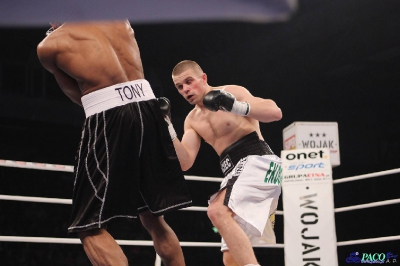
x=368 y=240
x=39 y=166
x=36 y=199
x=203 y=178
x=55 y=240
x=67 y=168
x=368 y=205
x=69 y=201
x=358 y=177
x=70 y=168
x=193 y=208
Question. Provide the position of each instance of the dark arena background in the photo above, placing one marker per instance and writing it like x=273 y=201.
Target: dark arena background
x=335 y=61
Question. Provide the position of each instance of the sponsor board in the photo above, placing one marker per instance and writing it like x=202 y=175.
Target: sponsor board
x=306 y=165
x=315 y=135
x=309 y=227
x=309 y=224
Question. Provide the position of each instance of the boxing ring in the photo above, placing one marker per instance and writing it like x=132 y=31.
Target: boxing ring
x=67 y=168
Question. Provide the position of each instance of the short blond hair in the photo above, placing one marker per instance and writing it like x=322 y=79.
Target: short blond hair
x=185 y=65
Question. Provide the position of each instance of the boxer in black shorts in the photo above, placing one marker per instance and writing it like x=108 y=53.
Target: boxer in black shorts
x=126 y=165
x=125 y=138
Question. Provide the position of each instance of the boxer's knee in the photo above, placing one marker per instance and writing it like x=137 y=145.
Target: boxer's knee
x=217 y=210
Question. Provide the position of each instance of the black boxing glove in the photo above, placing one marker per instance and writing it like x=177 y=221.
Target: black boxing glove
x=222 y=100
x=165 y=106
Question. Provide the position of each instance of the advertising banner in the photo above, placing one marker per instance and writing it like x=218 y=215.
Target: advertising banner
x=309 y=221
x=313 y=135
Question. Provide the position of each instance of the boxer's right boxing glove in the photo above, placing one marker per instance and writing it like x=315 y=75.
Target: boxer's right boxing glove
x=165 y=106
x=222 y=100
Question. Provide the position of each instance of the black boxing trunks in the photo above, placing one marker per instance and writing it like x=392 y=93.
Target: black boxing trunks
x=247 y=145
x=126 y=162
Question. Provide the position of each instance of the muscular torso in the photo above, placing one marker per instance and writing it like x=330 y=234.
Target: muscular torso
x=220 y=129
x=93 y=56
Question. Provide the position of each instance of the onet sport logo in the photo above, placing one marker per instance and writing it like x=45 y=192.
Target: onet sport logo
x=372 y=258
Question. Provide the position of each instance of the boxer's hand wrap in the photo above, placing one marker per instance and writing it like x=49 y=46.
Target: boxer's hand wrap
x=171 y=129
x=222 y=100
x=165 y=107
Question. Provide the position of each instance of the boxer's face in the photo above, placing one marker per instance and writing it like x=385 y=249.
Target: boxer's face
x=191 y=85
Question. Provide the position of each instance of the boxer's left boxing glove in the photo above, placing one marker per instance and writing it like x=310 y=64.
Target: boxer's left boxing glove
x=222 y=100
x=165 y=106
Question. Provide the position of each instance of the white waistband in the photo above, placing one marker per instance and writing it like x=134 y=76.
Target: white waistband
x=117 y=95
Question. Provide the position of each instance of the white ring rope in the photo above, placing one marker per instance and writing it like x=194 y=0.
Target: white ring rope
x=358 y=177
x=39 y=166
x=368 y=205
x=204 y=178
x=67 y=168
x=192 y=208
x=69 y=201
x=368 y=240
x=36 y=199
x=55 y=240
x=70 y=168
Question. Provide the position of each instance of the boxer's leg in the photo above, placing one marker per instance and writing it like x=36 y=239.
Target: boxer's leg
x=165 y=240
x=237 y=241
x=101 y=248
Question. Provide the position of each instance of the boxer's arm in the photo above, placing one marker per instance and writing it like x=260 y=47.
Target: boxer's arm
x=263 y=110
x=47 y=54
x=188 y=148
x=69 y=86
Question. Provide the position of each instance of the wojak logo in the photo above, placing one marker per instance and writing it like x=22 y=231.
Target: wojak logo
x=319 y=140
x=309 y=218
x=372 y=258
x=318 y=144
